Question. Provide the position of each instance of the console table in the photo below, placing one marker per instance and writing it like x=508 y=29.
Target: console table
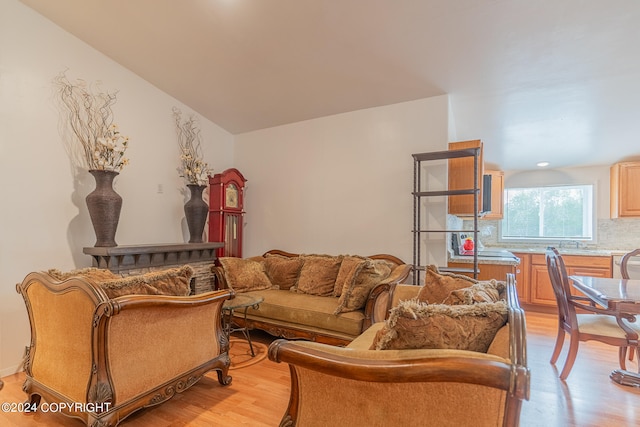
x=139 y=259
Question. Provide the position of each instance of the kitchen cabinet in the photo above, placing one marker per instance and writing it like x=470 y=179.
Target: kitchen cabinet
x=540 y=290
x=487 y=271
x=625 y=186
x=461 y=177
x=497 y=194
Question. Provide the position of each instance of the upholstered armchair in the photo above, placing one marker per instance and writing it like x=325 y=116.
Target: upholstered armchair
x=100 y=358
x=356 y=386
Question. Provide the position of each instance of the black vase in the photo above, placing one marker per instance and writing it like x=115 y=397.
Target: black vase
x=104 y=206
x=195 y=211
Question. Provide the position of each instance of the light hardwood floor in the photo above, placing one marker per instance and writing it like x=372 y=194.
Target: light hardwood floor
x=258 y=395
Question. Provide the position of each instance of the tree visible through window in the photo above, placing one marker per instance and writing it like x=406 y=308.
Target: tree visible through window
x=558 y=212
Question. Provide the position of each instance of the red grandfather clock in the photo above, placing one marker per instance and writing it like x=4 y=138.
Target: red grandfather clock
x=226 y=211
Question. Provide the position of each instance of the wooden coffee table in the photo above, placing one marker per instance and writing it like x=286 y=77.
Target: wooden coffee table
x=240 y=302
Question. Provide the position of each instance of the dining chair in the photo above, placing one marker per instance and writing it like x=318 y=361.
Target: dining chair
x=624 y=270
x=596 y=324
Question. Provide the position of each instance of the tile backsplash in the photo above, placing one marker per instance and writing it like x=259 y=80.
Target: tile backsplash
x=612 y=234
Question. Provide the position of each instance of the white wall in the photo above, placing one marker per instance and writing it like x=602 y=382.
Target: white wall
x=340 y=184
x=44 y=222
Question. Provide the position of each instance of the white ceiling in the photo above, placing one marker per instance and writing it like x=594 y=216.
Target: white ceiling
x=555 y=80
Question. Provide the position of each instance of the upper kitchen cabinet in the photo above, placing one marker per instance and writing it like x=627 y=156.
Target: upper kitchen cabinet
x=497 y=194
x=625 y=187
x=461 y=177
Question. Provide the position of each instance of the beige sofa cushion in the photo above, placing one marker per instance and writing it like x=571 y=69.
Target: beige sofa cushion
x=283 y=271
x=437 y=286
x=245 y=274
x=414 y=324
x=305 y=311
x=318 y=274
x=172 y=281
x=354 y=295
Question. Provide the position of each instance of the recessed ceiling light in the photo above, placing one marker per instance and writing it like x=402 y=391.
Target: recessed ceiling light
x=542 y=164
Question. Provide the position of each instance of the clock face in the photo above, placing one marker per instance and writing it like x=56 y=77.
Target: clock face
x=231 y=196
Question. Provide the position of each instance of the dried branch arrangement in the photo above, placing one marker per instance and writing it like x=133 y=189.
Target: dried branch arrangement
x=88 y=113
x=193 y=168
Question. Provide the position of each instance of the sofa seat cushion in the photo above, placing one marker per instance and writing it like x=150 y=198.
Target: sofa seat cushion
x=306 y=310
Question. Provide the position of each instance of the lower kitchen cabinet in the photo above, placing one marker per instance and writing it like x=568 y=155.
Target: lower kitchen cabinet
x=538 y=289
x=487 y=271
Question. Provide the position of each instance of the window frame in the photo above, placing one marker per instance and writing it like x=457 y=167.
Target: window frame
x=554 y=240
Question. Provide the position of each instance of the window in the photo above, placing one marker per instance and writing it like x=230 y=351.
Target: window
x=548 y=213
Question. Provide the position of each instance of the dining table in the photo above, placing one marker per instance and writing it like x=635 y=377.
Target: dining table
x=619 y=295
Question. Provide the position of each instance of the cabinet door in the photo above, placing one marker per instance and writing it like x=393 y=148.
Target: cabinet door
x=497 y=194
x=460 y=177
x=541 y=289
x=625 y=186
x=487 y=271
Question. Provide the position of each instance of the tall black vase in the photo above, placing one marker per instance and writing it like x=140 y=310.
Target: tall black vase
x=195 y=211
x=104 y=206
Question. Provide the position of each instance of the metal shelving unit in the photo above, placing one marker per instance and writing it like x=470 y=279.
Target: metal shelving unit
x=418 y=230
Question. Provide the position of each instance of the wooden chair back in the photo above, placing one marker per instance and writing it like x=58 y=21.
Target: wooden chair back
x=561 y=287
x=624 y=262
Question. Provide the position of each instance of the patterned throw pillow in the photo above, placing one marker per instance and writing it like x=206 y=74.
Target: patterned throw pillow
x=486 y=291
x=283 y=271
x=437 y=286
x=91 y=273
x=349 y=269
x=172 y=281
x=354 y=297
x=414 y=324
x=245 y=274
x=318 y=274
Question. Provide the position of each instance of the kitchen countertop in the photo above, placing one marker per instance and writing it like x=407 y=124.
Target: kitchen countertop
x=485 y=260
x=538 y=250
x=570 y=251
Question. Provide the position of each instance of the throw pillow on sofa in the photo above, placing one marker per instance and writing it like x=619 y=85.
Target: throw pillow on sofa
x=283 y=271
x=486 y=291
x=172 y=281
x=354 y=295
x=414 y=324
x=349 y=270
x=245 y=274
x=437 y=285
x=91 y=273
x=318 y=274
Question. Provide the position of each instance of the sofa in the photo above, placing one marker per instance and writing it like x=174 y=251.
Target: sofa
x=450 y=385
x=322 y=298
x=103 y=346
